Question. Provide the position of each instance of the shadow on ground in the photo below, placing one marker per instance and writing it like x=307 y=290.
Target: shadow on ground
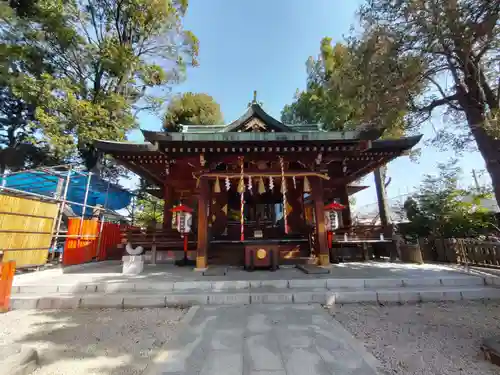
x=104 y=342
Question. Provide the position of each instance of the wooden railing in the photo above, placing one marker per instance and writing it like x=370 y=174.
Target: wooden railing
x=461 y=250
x=365 y=232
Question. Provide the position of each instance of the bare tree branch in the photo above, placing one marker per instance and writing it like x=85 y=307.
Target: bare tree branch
x=439 y=102
x=443 y=94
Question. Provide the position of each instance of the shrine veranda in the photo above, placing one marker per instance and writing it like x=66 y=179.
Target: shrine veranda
x=258 y=189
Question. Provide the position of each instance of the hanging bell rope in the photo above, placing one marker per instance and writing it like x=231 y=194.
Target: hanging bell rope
x=262 y=186
x=217 y=186
x=283 y=191
x=242 y=202
x=307 y=186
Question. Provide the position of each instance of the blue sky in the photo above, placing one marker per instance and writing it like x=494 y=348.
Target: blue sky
x=262 y=45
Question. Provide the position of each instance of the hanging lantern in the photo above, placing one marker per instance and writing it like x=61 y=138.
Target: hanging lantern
x=228 y=184
x=262 y=187
x=307 y=186
x=183 y=215
x=217 y=186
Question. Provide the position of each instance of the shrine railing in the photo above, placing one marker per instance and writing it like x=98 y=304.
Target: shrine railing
x=364 y=232
x=167 y=239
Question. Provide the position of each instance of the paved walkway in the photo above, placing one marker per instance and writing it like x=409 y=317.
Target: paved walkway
x=265 y=340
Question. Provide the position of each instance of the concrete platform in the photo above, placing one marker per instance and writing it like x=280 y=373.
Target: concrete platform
x=162 y=286
x=111 y=272
x=390 y=283
x=264 y=339
x=260 y=295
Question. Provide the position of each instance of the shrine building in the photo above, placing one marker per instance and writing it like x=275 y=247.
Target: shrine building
x=258 y=184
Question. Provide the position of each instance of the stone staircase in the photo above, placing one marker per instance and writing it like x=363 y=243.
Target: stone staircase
x=327 y=291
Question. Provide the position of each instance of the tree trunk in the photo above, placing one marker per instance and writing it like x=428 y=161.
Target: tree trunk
x=383 y=207
x=487 y=145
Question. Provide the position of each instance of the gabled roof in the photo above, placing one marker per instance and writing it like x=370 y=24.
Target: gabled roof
x=256 y=111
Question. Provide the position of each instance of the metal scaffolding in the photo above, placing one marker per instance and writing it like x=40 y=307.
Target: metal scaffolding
x=57 y=184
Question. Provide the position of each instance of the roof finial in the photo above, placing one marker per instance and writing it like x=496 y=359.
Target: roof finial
x=254 y=101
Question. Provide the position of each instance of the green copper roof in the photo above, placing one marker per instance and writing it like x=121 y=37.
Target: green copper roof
x=152 y=136
x=253 y=111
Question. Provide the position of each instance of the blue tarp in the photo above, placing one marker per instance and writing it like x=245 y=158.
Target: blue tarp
x=44 y=183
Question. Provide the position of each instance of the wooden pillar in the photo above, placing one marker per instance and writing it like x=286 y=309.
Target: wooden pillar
x=168 y=199
x=203 y=202
x=344 y=200
x=317 y=196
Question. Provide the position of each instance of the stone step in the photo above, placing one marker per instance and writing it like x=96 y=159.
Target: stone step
x=234 y=285
x=254 y=295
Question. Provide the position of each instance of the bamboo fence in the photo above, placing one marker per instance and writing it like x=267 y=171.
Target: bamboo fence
x=26 y=227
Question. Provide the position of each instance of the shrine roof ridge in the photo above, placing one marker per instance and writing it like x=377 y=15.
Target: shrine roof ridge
x=153 y=136
x=402 y=144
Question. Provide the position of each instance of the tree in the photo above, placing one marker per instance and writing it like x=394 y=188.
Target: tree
x=149 y=210
x=457 y=43
x=105 y=59
x=347 y=89
x=439 y=209
x=18 y=145
x=192 y=109
x=145 y=209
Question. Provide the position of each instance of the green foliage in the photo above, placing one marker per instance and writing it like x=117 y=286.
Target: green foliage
x=192 y=109
x=86 y=68
x=457 y=44
x=347 y=87
x=439 y=209
x=149 y=211
x=145 y=209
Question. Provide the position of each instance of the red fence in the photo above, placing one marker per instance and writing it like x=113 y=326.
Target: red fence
x=87 y=245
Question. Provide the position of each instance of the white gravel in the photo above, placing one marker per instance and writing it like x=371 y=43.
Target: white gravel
x=431 y=338
x=91 y=342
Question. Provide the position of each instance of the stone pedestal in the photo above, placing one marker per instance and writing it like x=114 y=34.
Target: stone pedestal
x=133 y=264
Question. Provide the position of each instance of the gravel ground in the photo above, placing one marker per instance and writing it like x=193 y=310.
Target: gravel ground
x=431 y=338
x=91 y=342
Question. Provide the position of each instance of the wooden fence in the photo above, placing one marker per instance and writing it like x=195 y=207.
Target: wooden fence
x=461 y=250
x=85 y=244
x=81 y=245
x=26 y=226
